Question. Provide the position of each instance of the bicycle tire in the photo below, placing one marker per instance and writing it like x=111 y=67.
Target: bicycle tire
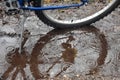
x=44 y=17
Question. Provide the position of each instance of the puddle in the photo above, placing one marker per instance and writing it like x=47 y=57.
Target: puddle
x=67 y=54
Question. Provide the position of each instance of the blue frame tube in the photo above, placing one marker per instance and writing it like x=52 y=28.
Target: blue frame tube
x=20 y=2
x=51 y=7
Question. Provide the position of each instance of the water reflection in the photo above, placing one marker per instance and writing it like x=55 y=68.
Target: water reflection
x=59 y=53
x=69 y=53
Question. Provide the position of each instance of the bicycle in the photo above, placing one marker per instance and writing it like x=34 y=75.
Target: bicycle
x=61 y=13
x=64 y=13
x=43 y=11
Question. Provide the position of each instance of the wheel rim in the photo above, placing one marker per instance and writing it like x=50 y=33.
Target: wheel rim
x=77 y=15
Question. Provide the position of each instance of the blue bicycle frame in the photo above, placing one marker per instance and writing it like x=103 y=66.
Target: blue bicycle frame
x=83 y=2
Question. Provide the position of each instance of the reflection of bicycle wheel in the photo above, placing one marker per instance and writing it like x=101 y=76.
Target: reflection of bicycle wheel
x=68 y=52
x=74 y=17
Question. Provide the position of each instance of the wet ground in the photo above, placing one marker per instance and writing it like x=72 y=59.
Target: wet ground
x=87 y=53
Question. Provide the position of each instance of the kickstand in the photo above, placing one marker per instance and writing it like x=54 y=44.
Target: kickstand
x=22 y=22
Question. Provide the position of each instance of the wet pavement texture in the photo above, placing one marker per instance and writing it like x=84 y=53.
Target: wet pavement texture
x=87 y=53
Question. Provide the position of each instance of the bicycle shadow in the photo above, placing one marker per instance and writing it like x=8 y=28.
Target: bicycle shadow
x=68 y=54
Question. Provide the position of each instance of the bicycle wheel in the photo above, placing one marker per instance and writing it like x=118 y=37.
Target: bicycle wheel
x=75 y=16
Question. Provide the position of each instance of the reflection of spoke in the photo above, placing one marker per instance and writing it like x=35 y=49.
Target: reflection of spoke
x=6 y=74
x=43 y=54
x=59 y=39
x=53 y=65
x=64 y=69
x=15 y=73
x=23 y=74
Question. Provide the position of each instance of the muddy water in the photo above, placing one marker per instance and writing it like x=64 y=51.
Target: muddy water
x=67 y=54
